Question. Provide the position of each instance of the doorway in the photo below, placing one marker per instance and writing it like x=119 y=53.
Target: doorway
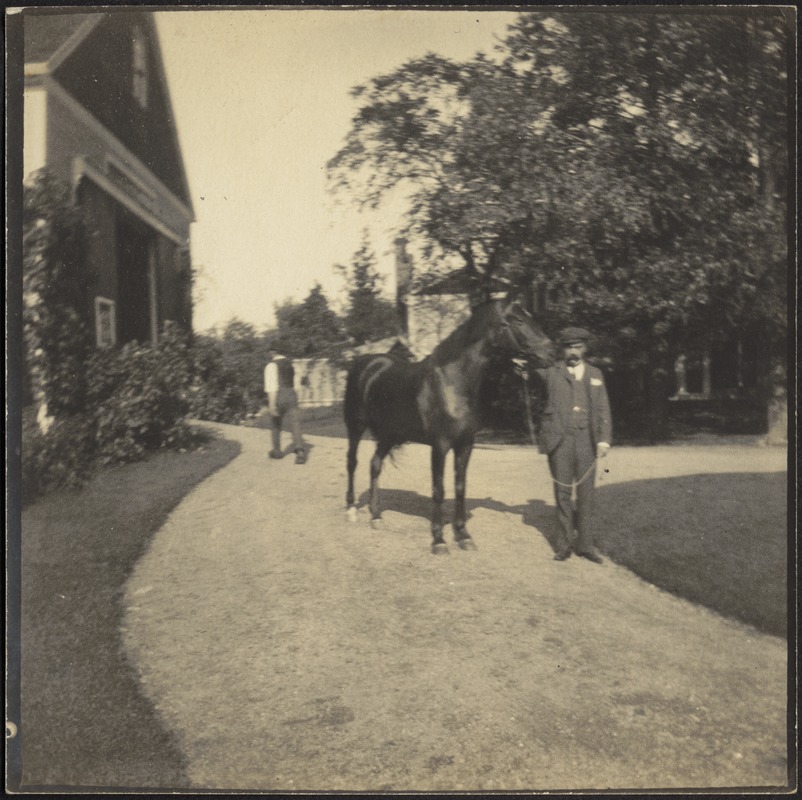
x=134 y=279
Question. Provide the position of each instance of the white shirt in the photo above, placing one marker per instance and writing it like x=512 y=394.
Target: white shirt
x=578 y=371
x=271 y=376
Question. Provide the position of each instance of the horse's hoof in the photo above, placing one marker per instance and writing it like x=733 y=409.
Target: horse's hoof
x=466 y=544
x=440 y=549
x=377 y=523
x=351 y=514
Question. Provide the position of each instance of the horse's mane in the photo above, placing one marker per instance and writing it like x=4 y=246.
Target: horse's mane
x=464 y=335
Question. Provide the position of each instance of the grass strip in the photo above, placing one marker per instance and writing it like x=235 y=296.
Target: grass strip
x=84 y=721
x=719 y=539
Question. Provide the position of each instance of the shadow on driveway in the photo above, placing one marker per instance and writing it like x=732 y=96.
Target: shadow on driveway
x=720 y=539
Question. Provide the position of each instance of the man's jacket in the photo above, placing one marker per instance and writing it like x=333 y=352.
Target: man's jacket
x=557 y=414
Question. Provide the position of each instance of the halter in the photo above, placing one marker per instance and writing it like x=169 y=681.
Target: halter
x=504 y=337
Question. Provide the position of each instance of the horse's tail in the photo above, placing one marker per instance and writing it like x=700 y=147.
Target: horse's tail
x=353 y=407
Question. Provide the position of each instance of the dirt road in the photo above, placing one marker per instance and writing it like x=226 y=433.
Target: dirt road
x=292 y=650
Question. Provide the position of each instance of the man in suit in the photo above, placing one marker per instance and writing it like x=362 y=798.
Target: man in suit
x=575 y=431
x=279 y=380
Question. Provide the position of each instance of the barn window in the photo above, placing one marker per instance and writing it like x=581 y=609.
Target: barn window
x=140 y=69
x=105 y=322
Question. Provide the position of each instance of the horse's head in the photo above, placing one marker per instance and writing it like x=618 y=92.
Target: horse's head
x=518 y=334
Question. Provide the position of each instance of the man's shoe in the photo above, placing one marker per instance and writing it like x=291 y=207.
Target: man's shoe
x=591 y=555
x=563 y=555
x=276 y=454
x=300 y=457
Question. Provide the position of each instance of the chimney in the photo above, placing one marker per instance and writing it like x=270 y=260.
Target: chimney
x=403 y=268
x=403 y=279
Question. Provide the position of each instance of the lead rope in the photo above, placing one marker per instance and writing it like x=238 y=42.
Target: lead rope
x=573 y=485
x=525 y=388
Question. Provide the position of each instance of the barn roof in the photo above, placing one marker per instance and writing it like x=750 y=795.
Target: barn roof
x=52 y=35
x=48 y=34
x=460 y=281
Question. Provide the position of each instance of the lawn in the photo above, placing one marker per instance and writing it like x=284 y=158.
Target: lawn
x=84 y=720
x=720 y=540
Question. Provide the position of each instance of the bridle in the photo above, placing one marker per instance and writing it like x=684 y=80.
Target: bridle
x=505 y=337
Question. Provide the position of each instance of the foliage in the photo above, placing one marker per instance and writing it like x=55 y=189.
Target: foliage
x=630 y=165
x=55 y=285
x=136 y=402
x=62 y=457
x=108 y=405
x=309 y=329
x=215 y=394
x=369 y=317
x=504 y=405
x=139 y=397
x=227 y=373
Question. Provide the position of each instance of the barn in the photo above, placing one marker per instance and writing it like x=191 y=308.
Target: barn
x=97 y=114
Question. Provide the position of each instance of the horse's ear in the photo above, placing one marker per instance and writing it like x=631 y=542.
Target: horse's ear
x=515 y=305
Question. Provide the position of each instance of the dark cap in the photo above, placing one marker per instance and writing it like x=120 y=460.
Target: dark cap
x=573 y=335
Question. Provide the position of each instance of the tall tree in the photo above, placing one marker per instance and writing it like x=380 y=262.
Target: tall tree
x=309 y=329
x=369 y=316
x=615 y=159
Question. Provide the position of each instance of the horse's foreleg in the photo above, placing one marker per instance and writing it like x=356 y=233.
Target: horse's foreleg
x=375 y=470
x=438 y=493
x=462 y=455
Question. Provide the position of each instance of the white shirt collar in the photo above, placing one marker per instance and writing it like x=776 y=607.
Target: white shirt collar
x=578 y=371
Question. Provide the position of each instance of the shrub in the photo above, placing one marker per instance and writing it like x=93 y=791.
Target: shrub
x=216 y=394
x=62 y=457
x=139 y=397
x=503 y=402
x=227 y=374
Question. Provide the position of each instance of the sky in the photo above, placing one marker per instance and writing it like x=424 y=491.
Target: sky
x=261 y=100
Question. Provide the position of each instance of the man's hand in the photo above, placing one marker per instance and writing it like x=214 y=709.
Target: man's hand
x=602 y=448
x=520 y=368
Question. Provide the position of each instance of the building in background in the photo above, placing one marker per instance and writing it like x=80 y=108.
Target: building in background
x=429 y=310
x=97 y=114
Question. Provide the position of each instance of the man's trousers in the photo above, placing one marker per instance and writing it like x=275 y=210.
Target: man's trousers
x=287 y=414
x=574 y=459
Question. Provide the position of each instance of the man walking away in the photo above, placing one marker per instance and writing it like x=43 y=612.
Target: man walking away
x=575 y=431
x=283 y=402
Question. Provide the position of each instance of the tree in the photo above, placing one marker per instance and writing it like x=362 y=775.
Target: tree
x=55 y=296
x=244 y=354
x=615 y=159
x=369 y=317
x=309 y=329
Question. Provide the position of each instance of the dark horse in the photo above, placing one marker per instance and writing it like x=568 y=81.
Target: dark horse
x=435 y=402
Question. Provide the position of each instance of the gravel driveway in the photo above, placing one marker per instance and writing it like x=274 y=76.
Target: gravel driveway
x=289 y=649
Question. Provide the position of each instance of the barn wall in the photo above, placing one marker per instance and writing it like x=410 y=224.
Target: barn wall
x=73 y=132
x=34 y=129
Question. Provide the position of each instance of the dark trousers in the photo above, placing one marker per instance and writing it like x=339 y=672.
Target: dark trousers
x=287 y=413
x=568 y=463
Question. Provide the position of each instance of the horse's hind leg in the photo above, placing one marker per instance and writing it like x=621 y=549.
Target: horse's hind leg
x=462 y=454
x=382 y=449
x=353 y=445
x=438 y=493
